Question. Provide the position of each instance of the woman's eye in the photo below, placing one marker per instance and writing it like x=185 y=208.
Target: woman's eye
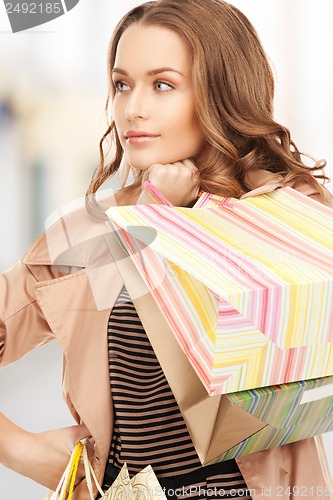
x=121 y=86
x=163 y=86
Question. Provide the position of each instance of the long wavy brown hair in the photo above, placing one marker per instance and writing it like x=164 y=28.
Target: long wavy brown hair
x=233 y=90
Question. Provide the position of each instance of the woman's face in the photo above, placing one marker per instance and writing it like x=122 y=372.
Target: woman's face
x=153 y=108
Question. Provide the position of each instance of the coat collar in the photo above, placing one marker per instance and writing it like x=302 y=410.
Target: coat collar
x=72 y=240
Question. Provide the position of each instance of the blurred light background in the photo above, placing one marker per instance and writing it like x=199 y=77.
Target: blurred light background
x=53 y=88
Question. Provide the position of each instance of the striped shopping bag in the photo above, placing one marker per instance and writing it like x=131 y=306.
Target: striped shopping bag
x=246 y=286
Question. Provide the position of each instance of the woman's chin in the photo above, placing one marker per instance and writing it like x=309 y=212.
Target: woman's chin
x=154 y=161
x=139 y=165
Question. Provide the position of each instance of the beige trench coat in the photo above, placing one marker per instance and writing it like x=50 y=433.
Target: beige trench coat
x=64 y=288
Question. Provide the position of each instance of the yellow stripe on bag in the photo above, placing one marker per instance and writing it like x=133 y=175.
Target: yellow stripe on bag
x=73 y=472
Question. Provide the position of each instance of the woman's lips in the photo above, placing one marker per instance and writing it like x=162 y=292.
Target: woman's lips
x=140 y=137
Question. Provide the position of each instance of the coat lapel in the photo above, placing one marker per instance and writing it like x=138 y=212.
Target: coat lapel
x=77 y=308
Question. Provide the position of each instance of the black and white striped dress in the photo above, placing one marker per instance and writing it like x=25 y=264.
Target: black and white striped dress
x=149 y=428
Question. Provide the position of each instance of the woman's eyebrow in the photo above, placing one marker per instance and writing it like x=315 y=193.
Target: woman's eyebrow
x=151 y=72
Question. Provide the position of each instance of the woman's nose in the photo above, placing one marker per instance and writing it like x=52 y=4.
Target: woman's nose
x=137 y=105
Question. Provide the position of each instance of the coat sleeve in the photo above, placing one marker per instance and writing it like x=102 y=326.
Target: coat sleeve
x=22 y=325
x=289 y=471
x=263 y=181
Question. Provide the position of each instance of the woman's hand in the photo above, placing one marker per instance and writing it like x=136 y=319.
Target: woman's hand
x=178 y=182
x=41 y=456
x=53 y=450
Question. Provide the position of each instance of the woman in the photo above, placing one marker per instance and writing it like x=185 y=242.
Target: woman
x=192 y=96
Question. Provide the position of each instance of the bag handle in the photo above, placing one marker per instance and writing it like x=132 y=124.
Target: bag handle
x=90 y=473
x=66 y=484
x=67 y=481
x=74 y=465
